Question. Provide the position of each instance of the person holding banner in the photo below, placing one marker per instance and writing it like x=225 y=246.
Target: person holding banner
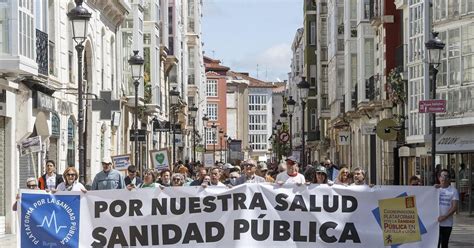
x=30 y=184
x=320 y=175
x=343 y=178
x=359 y=176
x=215 y=176
x=202 y=172
x=149 y=179
x=448 y=204
x=165 y=178
x=132 y=177
x=70 y=181
x=177 y=180
x=291 y=175
x=249 y=176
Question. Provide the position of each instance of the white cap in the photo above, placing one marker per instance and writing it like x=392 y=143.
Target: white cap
x=106 y=160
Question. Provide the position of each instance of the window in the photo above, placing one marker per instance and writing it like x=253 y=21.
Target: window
x=354 y=69
x=27 y=29
x=369 y=57
x=55 y=125
x=4 y=29
x=211 y=87
x=212 y=111
x=211 y=136
x=257 y=103
x=71 y=150
x=312 y=33
x=258 y=142
x=257 y=122
x=366 y=9
x=313 y=119
x=468 y=53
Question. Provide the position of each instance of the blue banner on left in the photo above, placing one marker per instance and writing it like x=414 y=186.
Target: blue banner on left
x=50 y=220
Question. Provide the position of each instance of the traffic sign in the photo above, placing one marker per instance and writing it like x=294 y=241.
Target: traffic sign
x=284 y=137
x=432 y=106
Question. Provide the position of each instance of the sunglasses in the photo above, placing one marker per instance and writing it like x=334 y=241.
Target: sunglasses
x=233 y=177
x=31 y=186
x=320 y=173
x=71 y=175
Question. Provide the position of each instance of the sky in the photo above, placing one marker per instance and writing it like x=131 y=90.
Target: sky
x=246 y=33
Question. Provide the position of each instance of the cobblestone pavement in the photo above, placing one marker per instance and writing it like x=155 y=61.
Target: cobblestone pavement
x=461 y=237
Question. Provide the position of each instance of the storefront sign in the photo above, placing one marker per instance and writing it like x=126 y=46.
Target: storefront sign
x=344 y=138
x=44 y=102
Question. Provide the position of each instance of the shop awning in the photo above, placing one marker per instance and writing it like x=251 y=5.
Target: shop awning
x=456 y=140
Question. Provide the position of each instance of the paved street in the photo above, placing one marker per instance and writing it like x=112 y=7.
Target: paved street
x=462 y=236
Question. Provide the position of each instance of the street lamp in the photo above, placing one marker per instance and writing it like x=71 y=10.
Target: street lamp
x=214 y=140
x=79 y=17
x=225 y=153
x=220 y=143
x=229 y=140
x=303 y=88
x=136 y=64
x=174 y=100
x=284 y=116
x=193 y=112
x=434 y=47
x=291 y=109
x=205 y=119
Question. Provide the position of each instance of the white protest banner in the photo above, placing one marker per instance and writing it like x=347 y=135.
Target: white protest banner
x=249 y=215
x=160 y=159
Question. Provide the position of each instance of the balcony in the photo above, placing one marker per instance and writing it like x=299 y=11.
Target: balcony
x=42 y=52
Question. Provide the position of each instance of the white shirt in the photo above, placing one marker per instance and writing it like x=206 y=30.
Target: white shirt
x=446 y=196
x=285 y=178
x=77 y=186
x=51 y=181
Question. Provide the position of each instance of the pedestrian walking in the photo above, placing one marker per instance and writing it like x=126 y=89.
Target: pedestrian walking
x=448 y=204
x=291 y=175
x=50 y=180
x=108 y=178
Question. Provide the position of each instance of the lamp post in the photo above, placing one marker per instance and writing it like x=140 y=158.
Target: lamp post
x=434 y=47
x=225 y=151
x=214 y=140
x=291 y=109
x=205 y=119
x=79 y=17
x=136 y=63
x=193 y=112
x=174 y=95
x=229 y=140
x=303 y=88
x=220 y=143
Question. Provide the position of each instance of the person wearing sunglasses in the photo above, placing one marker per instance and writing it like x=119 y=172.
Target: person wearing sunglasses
x=344 y=178
x=70 y=183
x=31 y=184
x=177 y=180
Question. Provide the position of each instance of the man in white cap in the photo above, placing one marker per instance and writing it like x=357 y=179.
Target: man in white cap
x=250 y=167
x=291 y=174
x=108 y=178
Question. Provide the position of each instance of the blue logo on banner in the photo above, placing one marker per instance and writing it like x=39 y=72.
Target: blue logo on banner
x=50 y=220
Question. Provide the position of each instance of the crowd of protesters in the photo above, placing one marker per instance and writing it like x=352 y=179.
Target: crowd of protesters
x=226 y=174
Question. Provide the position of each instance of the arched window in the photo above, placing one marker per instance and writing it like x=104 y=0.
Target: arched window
x=71 y=151
x=55 y=126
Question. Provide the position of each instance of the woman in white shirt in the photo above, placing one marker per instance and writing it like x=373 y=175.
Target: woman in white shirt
x=70 y=183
